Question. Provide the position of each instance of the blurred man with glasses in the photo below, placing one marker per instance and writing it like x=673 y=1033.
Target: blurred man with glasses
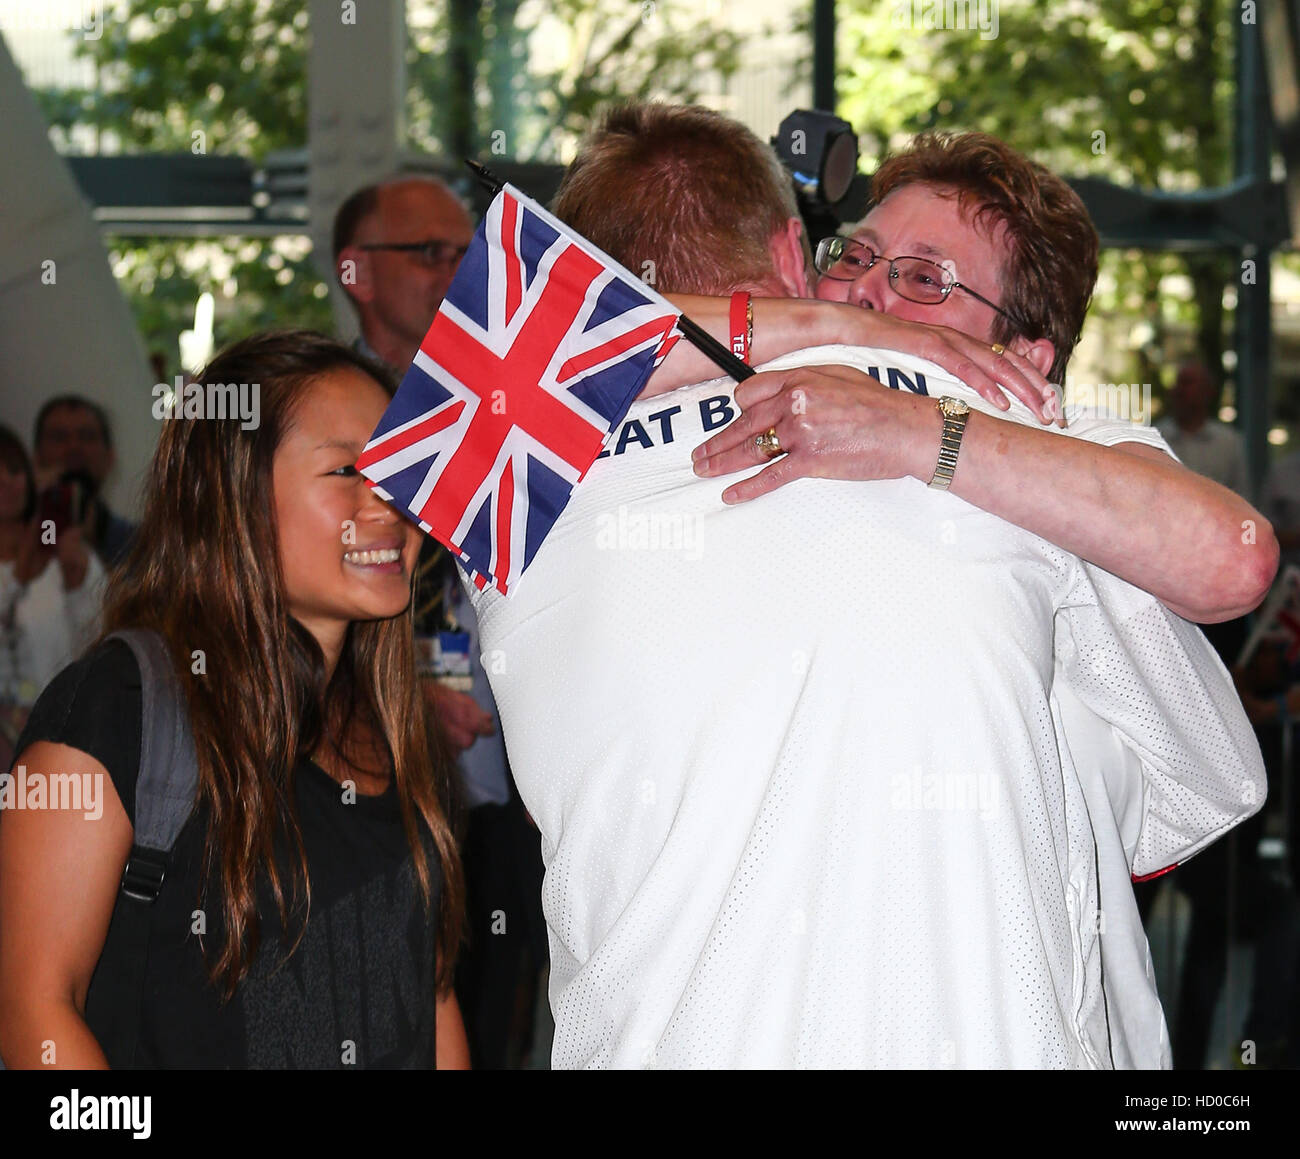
x=396 y=248
x=397 y=244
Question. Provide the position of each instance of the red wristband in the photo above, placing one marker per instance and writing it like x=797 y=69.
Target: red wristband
x=740 y=325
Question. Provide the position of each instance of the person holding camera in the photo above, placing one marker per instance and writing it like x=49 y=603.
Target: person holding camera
x=73 y=443
x=51 y=584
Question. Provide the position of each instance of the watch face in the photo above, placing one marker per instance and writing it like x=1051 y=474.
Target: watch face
x=953 y=407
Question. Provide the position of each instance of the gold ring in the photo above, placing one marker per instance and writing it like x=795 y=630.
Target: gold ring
x=998 y=349
x=768 y=443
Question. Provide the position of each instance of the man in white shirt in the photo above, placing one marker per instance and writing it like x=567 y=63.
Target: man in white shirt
x=796 y=764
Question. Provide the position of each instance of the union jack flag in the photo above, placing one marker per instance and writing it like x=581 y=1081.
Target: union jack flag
x=535 y=355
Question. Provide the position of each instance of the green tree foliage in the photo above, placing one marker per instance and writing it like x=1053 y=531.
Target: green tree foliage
x=537 y=73
x=1135 y=91
x=236 y=71
x=656 y=48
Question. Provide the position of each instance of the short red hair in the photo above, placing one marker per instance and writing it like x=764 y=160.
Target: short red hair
x=684 y=187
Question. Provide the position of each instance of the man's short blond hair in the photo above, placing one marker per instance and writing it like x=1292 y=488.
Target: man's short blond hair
x=683 y=187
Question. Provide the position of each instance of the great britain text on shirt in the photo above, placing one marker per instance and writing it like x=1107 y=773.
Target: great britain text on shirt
x=718 y=411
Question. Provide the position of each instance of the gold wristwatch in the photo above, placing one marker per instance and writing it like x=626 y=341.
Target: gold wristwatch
x=955 y=413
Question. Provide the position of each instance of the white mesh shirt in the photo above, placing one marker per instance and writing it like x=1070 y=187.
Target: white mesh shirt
x=1151 y=729
x=799 y=770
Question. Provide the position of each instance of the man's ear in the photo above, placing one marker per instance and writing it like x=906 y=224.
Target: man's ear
x=354 y=273
x=1040 y=352
x=790 y=258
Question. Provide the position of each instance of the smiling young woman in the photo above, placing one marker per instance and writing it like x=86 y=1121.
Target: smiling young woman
x=311 y=911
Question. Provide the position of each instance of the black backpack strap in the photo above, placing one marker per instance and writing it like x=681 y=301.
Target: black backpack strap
x=166 y=789
x=169 y=774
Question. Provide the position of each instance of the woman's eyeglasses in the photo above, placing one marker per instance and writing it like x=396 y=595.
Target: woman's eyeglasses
x=844 y=259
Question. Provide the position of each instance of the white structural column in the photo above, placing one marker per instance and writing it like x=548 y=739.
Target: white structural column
x=356 y=97
x=65 y=327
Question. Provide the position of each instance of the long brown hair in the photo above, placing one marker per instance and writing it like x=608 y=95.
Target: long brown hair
x=204 y=571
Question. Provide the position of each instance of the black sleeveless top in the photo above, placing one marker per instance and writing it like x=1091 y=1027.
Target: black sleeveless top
x=357 y=992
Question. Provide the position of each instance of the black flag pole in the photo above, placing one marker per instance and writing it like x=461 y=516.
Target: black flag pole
x=489 y=180
x=710 y=347
x=695 y=334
